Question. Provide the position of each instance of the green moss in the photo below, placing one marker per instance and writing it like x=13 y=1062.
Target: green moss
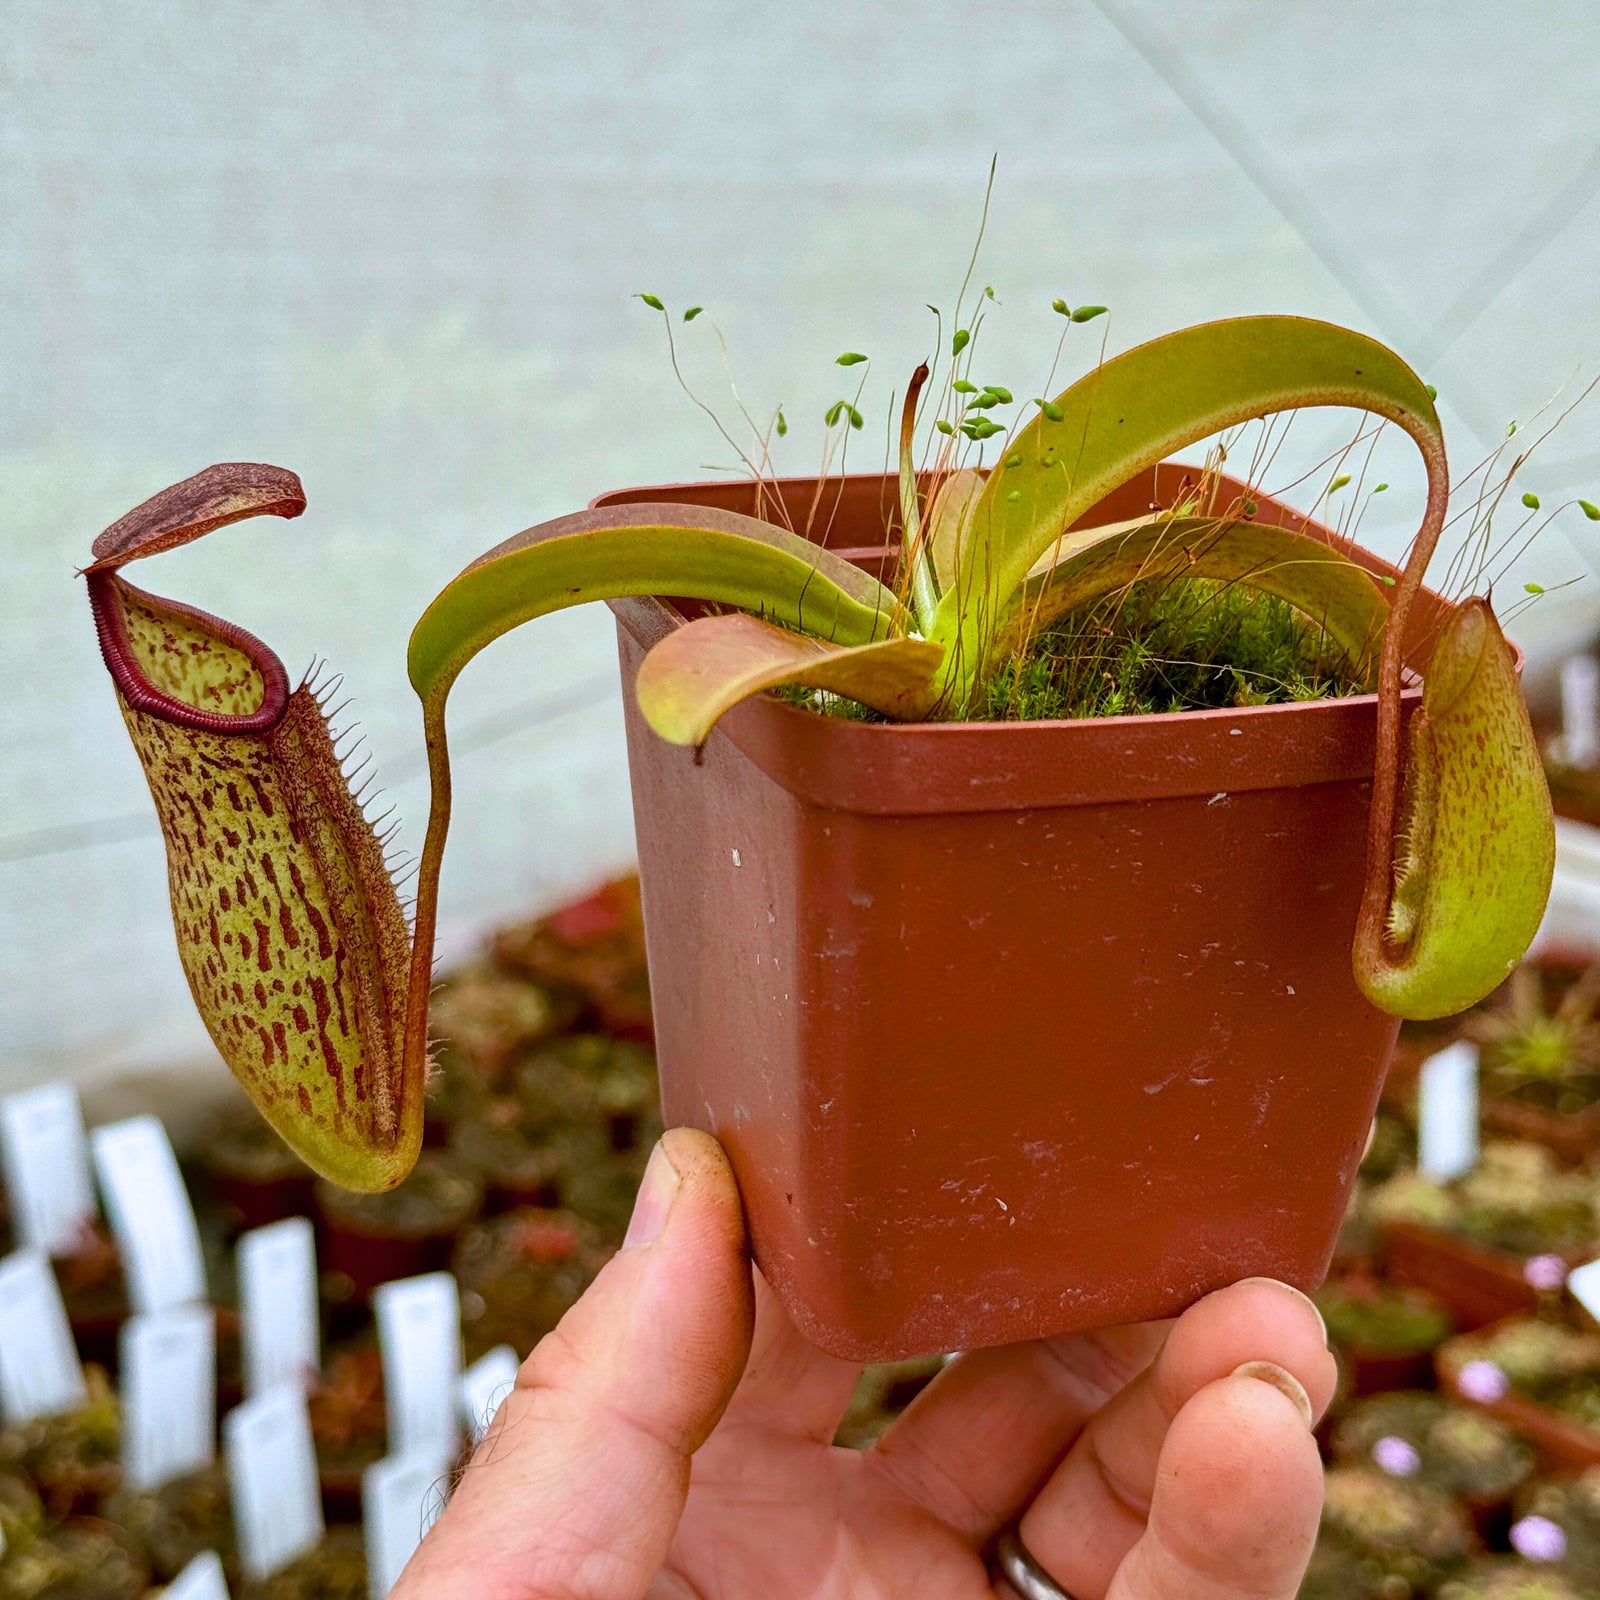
x=1192 y=645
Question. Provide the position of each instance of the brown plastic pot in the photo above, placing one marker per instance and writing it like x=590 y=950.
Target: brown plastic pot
x=1011 y=1029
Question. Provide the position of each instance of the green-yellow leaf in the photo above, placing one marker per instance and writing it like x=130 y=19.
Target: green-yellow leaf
x=1326 y=587
x=1137 y=409
x=949 y=517
x=694 y=551
x=704 y=668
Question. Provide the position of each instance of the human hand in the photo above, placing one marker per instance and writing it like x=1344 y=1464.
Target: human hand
x=672 y=1440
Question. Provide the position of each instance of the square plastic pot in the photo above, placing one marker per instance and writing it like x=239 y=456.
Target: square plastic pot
x=1010 y=1029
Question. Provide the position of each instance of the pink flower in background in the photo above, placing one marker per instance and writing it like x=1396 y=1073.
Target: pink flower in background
x=1482 y=1381
x=1398 y=1457
x=1545 y=1273
x=1538 y=1539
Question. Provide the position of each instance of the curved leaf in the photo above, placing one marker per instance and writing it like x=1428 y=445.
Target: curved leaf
x=696 y=552
x=1477 y=847
x=1137 y=409
x=949 y=519
x=706 y=667
x=1324 y=586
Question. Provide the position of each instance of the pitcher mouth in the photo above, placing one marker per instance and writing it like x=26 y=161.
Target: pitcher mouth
x=106 y=589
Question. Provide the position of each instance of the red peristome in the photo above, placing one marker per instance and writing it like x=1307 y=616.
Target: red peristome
x=224 y=493
x=105 y=591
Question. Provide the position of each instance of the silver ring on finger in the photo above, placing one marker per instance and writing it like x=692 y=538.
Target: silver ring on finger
x=1024 y=1574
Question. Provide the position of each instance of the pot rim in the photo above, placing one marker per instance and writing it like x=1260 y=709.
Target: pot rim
x=926 y=768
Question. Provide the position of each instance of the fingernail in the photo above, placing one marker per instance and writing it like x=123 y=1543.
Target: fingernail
x=1303 y=1298
x=1281 y=1379
x=654 y=1201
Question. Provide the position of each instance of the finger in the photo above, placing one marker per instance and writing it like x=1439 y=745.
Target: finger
x=1237 y=1496
x=1094 y=1508
x=975 y=1445
x=581 y=1480
x=789 y=1386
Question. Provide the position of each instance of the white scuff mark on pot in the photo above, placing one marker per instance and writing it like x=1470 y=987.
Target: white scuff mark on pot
x=1039 y=1151
x=978 y=921
x=1288 y=988
x=827 y=1105
x=1217 y=799
x=1233 y=733
x=1001 y=1203
x=772 y=917
x=740 y=1116
x=839 y=952
x=737 y=861
x=860 y=897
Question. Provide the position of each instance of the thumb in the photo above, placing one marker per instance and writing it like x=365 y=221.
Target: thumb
x=576 y=1491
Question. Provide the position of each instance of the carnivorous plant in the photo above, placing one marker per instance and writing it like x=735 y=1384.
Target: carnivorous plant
x=290 y=930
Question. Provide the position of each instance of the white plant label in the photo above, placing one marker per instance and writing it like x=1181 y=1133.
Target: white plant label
x=168 y=1372
x=419 y=1333
x=1580 y=710
x=1583 y=1284
x=278 y=1305
x=202 y=1579
x=483 y=1386
x=272 y=1476
x=40 y=1374
x=149 y=1212
x=46 y=1161
x=401 y=1498
x=1447 y=1113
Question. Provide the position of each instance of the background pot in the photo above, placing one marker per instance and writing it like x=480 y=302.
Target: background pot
x=1011 y=1029
x=1478 y=1283
x=1564 y=1444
